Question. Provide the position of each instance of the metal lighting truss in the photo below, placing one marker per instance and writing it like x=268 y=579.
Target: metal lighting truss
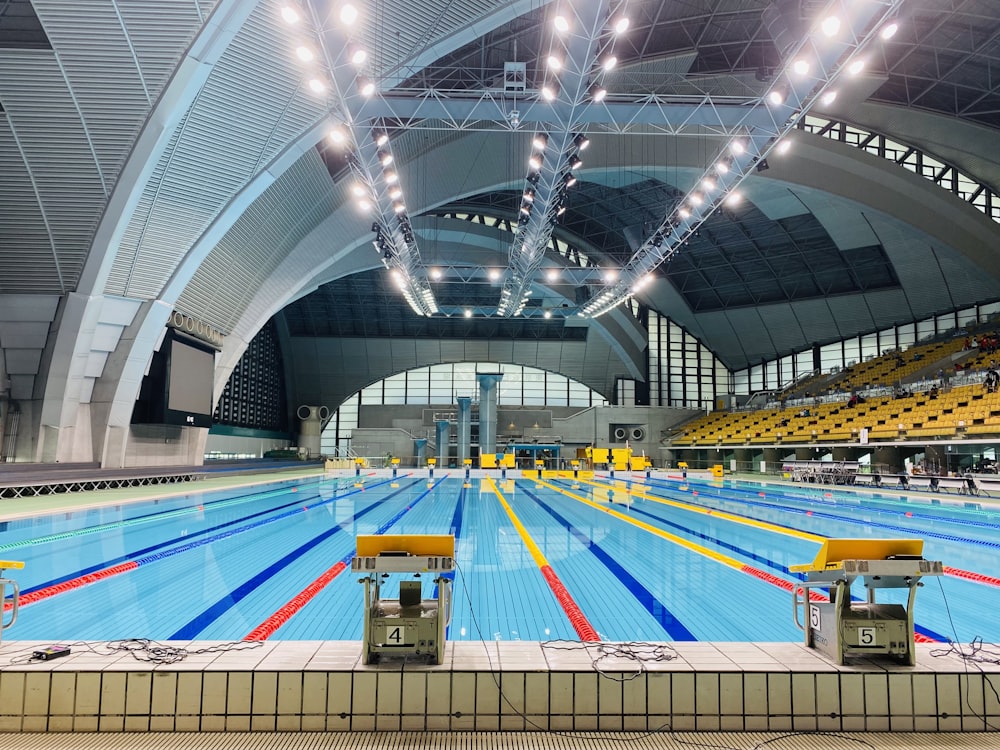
x=550 y=173
x=763 y=126
x=369 y=155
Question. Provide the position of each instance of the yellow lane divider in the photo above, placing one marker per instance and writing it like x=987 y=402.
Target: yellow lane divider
x=584 y=630
x=697 y=548
x=717 y=513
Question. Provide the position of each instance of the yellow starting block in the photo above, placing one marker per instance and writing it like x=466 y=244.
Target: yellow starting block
x=841 y=628
x=16 y=593
x=410 y=624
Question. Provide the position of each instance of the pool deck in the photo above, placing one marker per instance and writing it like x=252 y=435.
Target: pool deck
x=500 y=686
x=321 y=686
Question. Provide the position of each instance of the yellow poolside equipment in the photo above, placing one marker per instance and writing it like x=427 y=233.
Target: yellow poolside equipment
x=842 y=628
x=409 y=625
x=16 y=593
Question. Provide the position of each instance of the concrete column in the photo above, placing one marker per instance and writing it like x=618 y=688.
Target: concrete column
x=310 y=427
x=420 y=451
x=443 y=436
x=888 y=456
x=773 y=456
x=488 y=411
x=743 y=457
x=843 y=453
x=464 y=428
x=804 y=454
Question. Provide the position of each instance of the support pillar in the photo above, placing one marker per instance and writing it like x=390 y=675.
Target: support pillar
x=773 y=457
x=464 y=429
x=888 y=458
x=443 y=436
x=488 y=411
x=420 y=451
x=844 y=453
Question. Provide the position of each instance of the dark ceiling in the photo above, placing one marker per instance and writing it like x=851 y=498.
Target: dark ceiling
x=20 y=27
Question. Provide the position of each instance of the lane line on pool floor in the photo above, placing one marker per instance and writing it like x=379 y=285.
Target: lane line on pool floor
x=725 y=515
x=149 y=554
x=656 y=608
x=578 y=620
x=924 y=636
x=283 y=614
x=967 y=575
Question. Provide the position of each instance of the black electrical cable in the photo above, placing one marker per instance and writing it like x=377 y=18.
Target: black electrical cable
x=141 y=649
x=631 y=650
x=977 y=654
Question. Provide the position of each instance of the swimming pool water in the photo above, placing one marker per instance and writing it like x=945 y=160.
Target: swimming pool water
x=654 y=560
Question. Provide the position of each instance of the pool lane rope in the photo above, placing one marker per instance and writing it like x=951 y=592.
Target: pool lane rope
x=46 y=592
x=584 y=630
x=967 y=575
x=288 y=610
x=927 y=636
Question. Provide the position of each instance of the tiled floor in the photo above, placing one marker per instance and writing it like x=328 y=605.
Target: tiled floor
x=321 y=686
x=507 y=741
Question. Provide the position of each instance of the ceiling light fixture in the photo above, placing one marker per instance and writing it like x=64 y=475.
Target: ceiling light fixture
x=621 y=25
x=358 y=57
x=304 y=53
x=598 y=93
x=829 y=97
x=830 y=26
x=889 y=30
x=290 y=14
x=609 y=63
x=317 y=85
x=801 y=67
x=561 y=24
x=348 y=14
x=856 y=67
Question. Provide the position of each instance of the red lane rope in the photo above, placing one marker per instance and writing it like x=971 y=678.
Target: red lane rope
x=781 y=583
x=970 y=576
x=581 y=625
x=73 y=583
x=267 y=628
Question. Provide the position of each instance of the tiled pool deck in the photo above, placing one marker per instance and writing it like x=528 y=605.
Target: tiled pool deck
x=509 y=686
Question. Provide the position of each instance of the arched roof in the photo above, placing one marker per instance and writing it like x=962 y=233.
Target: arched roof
x=172 y=156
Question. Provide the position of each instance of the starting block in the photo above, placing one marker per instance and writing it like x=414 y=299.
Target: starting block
x=842 y=628
x=409 y=625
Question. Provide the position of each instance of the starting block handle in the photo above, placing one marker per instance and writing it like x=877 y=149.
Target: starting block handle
x=802 y=603
x=13 y=613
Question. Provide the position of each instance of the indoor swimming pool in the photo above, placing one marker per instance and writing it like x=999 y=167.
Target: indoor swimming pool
x=537 y=560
